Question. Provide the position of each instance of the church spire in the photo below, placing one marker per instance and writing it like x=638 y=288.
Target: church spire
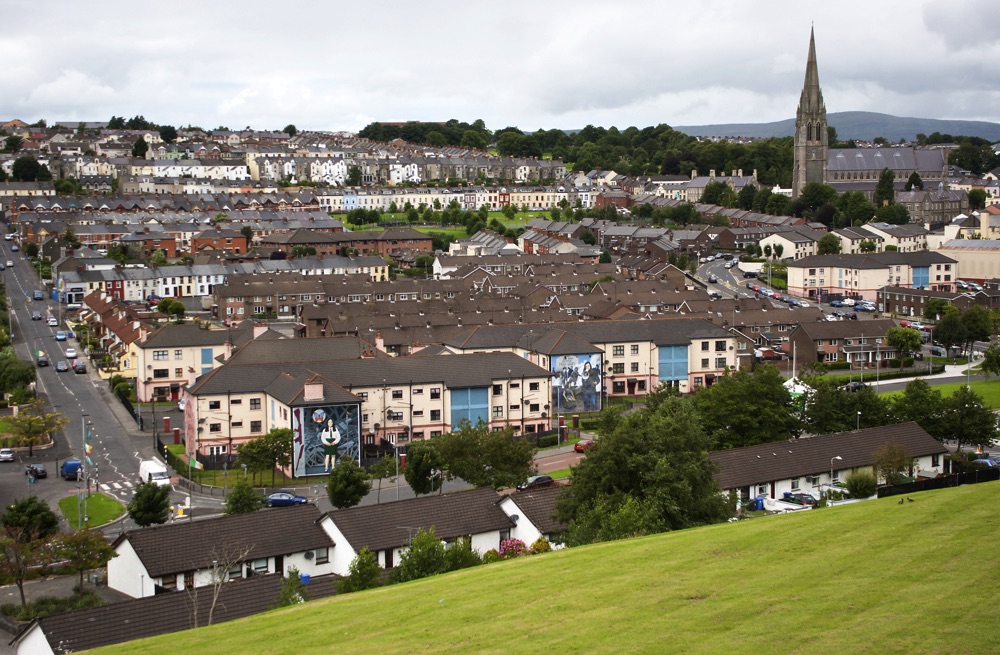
x=811 y=140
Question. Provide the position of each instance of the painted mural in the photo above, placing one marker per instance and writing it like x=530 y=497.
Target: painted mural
x=576 y=383
x=324 y=435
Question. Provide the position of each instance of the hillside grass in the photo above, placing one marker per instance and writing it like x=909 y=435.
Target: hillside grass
x=871 y=577
x=988 y=389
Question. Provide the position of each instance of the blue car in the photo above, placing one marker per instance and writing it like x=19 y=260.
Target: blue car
x=836 y=303
x=283 y=499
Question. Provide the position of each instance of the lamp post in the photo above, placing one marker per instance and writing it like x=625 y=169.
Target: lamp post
x=858 y=424
x=149 y=381
x=831 y=467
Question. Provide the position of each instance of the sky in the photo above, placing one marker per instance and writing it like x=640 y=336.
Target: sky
x=338 y=65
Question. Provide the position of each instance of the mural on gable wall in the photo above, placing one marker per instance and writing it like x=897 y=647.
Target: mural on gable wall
x=576 y=383
x=324 y=436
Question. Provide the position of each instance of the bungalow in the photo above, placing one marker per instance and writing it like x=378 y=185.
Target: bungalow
x=534 y=516
x=188 y=555
x=809 y=464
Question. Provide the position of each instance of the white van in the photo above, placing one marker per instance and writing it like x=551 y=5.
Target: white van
x=152 y=471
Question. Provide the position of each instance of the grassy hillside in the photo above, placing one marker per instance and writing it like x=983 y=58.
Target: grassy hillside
x=875 y=577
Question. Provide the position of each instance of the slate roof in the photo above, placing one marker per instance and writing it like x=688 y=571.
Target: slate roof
x=876 y=260
x=186 y=546
x=847 y=329
x=539 y=507
x=451 y=515
x=164 y=613
x=186 y=335
x=782 y=460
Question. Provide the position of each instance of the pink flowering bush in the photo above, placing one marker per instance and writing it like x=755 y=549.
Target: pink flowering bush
x=511 y=548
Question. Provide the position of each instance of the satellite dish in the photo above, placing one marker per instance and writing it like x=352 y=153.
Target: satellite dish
x=308 y=554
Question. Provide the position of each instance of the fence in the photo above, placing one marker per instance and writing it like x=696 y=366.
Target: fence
x=127 y=404
x=943 y=482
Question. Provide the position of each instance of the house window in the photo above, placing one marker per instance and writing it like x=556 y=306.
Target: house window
x=237 y=424
x=634 y=349
x=704 y=363
x=178 y=372
x=795 y=484
x=935 y=460
x=618 y=387
x=160 y=355
x=435 y=393
x=634 y=367
x=618 y=351
x=417 y=392
x=397 y=394
x=533 y=407
x=619 y=368
x=498 y=411
x=236 y=401
x=533 y=386
x=178 y=354
x=169 y=582
x=255 y=426
x=215 y=427
x=161 y=373
x=254 y=403
x=260 y=565
x=214 y=404
x=704 y=346
x=363 y=395
x=720 y=346
x=435 y=414
x=322 y=555
x=720 y=362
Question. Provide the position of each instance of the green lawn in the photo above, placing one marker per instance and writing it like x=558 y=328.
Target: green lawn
x=988 y=389
x=101 y=509
x=872 y=577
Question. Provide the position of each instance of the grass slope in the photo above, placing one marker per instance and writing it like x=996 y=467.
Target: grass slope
x=873 y=577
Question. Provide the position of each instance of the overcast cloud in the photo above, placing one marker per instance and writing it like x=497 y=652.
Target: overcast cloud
x=340 y=65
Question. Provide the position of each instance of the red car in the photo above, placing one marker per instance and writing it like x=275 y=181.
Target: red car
x=582 y=445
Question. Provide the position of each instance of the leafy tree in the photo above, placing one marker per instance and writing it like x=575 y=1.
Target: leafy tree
x=991 y=360
x=290 y=130
x=978 y=325
x=150 y=505
x=977 y=198
x=242 y=498
x=830 y=408
x=654 y=460
x=424 y=465
x=13 y=143
x=921 y=403
x=904 y=340
x=460 y=555
x=158 y=258
x=914 y=182
x=278 y=447
x=83 y=551
x=33 y=424
x=724 y=415
x=816 y=194
x=605 y=257
x=950 y=331
x=354 y=176
x=168 y=133
x=363 y=573
x=891 y=461
x=935 y=307
x=171 y=307
x=384 y=467
x=966 y=421
x=348 y=484
x=885 y=190
x=292 y=589
x=829 y=244
x=892 y=214
x=255 y=456
x=746 y=196
x=140 y=148
x=27 y=169
x=247 y=233
x=485 y=458
x=15 y=373
x=867 y=246
x=854 y=208
x=424 y=557
x=715 y=193
x=25 y=530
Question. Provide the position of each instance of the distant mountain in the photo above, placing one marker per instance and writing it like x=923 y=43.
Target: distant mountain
x=864 y=125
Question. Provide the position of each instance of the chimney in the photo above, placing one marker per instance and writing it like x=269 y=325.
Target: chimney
x=379 y=342
x=312 y=391
x=694 y=173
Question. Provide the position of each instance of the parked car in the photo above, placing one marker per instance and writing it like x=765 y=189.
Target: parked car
x=6 y=455
x=854 y=386
x=536 y=482
x=836 y=303
x=51 y=320
x=802 y=303
x=582 y=445
x=79 y=367
x=36 y=470
x=71 y=353
x=14 y=248
x=749 y=274
x=715 y=295
x=37 y=295
x=804 y=499
x=712 y=279
x=10 y=262
x=284 y=499
x=61 y=366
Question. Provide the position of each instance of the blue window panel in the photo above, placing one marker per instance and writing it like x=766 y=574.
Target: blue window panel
x=206 y=369
x=673 y=363
x=206 y=356
x=471 y=404
x=921 y=276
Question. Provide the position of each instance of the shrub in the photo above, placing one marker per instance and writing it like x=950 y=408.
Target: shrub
x=541 y=545
x=838 y=366
x=511 y=548
x=861 y=484
x=459 y=555
x=491 y=556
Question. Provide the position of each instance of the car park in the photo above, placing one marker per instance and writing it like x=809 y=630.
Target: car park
x=284 y=499
x=6 y=455
x=62 y=366
x=536 y=482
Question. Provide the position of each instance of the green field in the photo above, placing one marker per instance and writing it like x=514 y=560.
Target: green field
x=101 y=509
x=872 y=577
x=988 y=389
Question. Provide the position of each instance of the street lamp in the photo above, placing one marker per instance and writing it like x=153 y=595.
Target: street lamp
x=80 y=502
x=858 y=425
x=148 y=381
x=831 y=467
